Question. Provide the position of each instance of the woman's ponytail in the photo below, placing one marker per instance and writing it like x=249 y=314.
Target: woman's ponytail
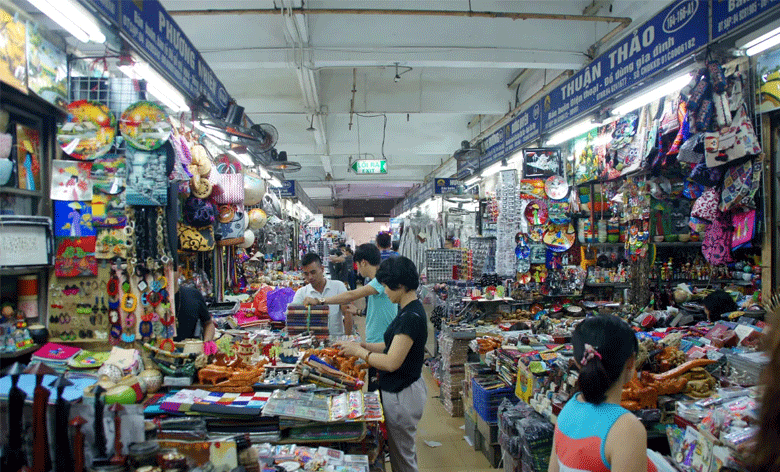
x=602 y=345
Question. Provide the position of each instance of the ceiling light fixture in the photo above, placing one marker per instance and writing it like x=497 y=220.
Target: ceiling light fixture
x=311 y=125
x=74 y=18
x=156 y=85
x=472 y=181
x=651 y=95
x=369 y=219
x=572 y=131
x=398 y=75
x=243 y=157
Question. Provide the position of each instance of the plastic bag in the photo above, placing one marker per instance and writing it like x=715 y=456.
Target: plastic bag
x=261 y=300
x=277 y=302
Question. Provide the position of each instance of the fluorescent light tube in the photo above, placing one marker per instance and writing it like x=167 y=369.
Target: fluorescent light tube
x=274 y=182
x=74 y=18
x=156 y=85
x=572 y=132
x=472 y=181
x=771 y=41
x=369 y=219
x=654 y=94
x=243 y=157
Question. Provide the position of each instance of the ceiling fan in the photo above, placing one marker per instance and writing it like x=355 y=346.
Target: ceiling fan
x=466 y=152
x=279 y=163
x=459 y=210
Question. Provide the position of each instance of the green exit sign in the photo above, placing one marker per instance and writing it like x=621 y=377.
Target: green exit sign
x=370 y=166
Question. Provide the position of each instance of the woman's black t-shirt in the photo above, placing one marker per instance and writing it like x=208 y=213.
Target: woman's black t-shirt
x=411 y=321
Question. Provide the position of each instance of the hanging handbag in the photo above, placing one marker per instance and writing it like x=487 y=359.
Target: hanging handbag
x=228 y=188
x=198 y=212
x=716 y=246
x=231 y=224
x=744 y=224
x=732 y=143
x=196 y=239
x=706 y=206
x=692 y=150
x=740 y=185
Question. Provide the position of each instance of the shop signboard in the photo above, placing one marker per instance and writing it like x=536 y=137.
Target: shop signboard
x=728 y=15
x=156 y=35
x=444 y=186
x=494 y=148
x=109 y=8
x=523 y=129
x=369 y=166
x=287 y=190
x=673 y=34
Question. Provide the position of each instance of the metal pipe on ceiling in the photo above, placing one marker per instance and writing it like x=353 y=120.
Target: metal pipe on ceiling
x=405 y=12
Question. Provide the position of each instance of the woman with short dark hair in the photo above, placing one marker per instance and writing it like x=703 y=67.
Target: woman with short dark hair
x=717 y=304
x=399 y=360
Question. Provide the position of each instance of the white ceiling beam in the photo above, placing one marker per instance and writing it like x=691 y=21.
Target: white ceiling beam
x=596 y=6
x=417 y=57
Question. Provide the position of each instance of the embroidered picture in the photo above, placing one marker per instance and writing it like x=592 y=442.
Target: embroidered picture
x=147 y=181
x=71 y=180
x=75 y=257
x=73 y=219
x=28 y=149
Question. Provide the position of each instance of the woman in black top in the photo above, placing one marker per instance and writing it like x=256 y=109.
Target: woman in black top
x=399 y=361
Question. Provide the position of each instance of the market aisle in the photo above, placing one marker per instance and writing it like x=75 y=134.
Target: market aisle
x=454 y=454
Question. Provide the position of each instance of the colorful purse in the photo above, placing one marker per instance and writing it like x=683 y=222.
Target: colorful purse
x=740 y=185
x=706 y=206
x=744 y=224
x=198 y=212
x=196 y=239
x=231 y=225
x=228 y=188
x=732 y=143
x=716 y=245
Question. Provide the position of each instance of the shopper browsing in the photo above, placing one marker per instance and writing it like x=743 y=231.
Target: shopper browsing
x=192 y=316
x=399 y=360
x=717 y=304
x=384 y=243
x=766 y=454
x=318 y=287
x=593 y=432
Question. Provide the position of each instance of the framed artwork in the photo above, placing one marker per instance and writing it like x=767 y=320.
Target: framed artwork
x=13 y=51
x=71 y=181
x=47 y=69
x=75 y=257
x=541 y=163
x=28 y=150
x=147 y=181
x=73 y=219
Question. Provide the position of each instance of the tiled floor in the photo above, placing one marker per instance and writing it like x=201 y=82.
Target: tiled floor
x=454 y=454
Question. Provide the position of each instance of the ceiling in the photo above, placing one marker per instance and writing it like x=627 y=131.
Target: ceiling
x=289 y=69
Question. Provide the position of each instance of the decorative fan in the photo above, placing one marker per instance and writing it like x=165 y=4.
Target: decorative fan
x=279 y=163
x=466 y=152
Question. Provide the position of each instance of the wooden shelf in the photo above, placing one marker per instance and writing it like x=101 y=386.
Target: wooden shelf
x=19 y=353
x=20 y=191
x=22 y=270
x=703 y=283
x=679 y=244
x=605 y=285
x=603 y=244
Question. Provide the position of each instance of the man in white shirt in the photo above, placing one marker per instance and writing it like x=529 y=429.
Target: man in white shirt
x=319 y=287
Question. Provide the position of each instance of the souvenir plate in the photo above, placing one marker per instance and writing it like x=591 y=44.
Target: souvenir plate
x=536 y=212
x=145 y=126
x=559 y=238
x=88 y=131
x=556 y=187
x=536 y=233
x=558 y=212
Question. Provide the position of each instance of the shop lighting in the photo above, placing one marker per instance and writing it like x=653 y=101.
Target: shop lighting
x=74 y=18
x=771 y=39
x=243 y=157
x=572 y=132
x=495 y=168
x=275 y=182
x=369 y=219
x=760 y=39
x=662 y=90
x=472 y=181
x=156 y=85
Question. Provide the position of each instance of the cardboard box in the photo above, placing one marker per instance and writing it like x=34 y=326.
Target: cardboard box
x=493 y=454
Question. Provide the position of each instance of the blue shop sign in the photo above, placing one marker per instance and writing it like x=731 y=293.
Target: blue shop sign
x=109 y=8
x=494 y=148
x=675 y=33
x=154 y=33
x=287 y=190
x=523 y=129
x=445 y=186
x=728 y=15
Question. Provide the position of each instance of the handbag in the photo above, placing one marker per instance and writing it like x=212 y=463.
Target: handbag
x=744 y=224
x=231 y=224
x=196 y=239
x=227 y=188
x=198 y=212
x=716 y=245
x=706 y=206
x=740 y=185
x=692 y=150
x=732 y=143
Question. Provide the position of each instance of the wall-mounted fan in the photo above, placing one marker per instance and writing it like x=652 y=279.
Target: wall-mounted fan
x=466 y=152
x=458 y=210
x=267 y=135
x=279 y=163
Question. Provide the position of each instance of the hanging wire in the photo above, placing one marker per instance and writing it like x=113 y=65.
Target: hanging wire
x=384 y=129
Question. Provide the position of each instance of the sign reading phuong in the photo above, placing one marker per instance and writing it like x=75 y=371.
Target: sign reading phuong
x=674 y=33
x=728 y=15
x=154 y=32
x=523 y=129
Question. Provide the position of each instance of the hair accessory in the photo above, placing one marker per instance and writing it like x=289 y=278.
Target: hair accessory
x=113 y=305
x=590 y=353
x=128 y=338
x=129 y=302
x=113 y=287
x=116 y=331
x=145 y=328
x=130 y=320
x=113 y=317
